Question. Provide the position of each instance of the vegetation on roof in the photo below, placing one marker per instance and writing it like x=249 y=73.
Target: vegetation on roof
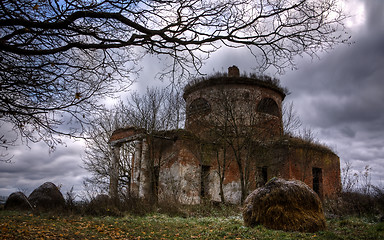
x=220 y=78
x=285 y=140
x=299 y=142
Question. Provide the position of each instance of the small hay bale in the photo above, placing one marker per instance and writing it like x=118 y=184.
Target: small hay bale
x=17 y=201
x=47 y=197
x=284 y=205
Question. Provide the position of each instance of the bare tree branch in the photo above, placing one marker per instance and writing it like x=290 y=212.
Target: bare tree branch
x=157 y=109
x=58 y=58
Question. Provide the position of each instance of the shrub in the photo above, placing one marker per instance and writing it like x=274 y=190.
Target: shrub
x=354 y=203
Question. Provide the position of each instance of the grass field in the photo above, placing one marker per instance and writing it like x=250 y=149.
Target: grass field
x=15 y=225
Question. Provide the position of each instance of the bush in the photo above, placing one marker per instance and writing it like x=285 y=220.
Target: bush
x=354 y=203
x=379 y=198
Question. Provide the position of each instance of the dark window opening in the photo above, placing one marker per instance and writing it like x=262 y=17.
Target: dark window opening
x=264 y=174
x=269 y=106
x=156 y=174
x=204 y=180
x=317 y=180
x=199 y=106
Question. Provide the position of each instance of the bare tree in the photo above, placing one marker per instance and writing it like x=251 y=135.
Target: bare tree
x=357 y=181
x=291 y=121
x=157 y=109
x=236 y=126
x=58 y=57
x=222 y=159
x=98 y=153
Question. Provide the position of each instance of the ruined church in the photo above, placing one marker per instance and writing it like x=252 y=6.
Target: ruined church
x=233 y=142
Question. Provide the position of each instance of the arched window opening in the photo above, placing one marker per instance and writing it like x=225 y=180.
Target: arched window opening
x=269 y=106
x=198 y=106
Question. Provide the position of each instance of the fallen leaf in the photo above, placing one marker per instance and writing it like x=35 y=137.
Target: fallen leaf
x=78 y=95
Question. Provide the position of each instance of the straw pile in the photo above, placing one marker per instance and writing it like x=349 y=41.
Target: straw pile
x=17 y=201
x=47 y=197
x=284 y=205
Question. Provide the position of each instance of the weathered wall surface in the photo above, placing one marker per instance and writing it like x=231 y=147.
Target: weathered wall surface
x=179 y=173
x=180 y=165
x=180 y=160
x=232 y=192
x=304 y=160
x=205 y=106
x=179 y=183
x=231 y=183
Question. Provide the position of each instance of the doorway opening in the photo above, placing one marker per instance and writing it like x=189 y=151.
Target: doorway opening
x=264 y=174
x=204 y=180
x=317 y=180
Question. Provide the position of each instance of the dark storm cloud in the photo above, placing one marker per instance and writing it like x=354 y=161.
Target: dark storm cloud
x=347 y=85
x=341 y=96
x=33 y=166
x=375 y=16
x=348 y=132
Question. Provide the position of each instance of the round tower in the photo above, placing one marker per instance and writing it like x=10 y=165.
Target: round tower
x=234 y=101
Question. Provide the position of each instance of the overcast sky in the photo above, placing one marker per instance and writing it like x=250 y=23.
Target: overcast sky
x=340 y=97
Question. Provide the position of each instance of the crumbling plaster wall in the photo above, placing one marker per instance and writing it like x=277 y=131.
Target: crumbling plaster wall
x=244 y=97
x=302 y=160
x=180 y=161
x=179 y=174
x=179 y=183
x=231 y=186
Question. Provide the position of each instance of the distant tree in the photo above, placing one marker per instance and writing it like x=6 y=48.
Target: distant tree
x=357 y=181
x=58 y=57
x=291 y=121
x=155 y=110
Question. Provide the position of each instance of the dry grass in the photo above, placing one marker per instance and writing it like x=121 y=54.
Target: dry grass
x=14 y=225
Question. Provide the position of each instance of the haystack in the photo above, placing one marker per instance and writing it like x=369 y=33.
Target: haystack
x=17 y=201
x=284 y=205
x=47 y=197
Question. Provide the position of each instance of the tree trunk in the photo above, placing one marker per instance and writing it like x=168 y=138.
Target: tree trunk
x=222 y=198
